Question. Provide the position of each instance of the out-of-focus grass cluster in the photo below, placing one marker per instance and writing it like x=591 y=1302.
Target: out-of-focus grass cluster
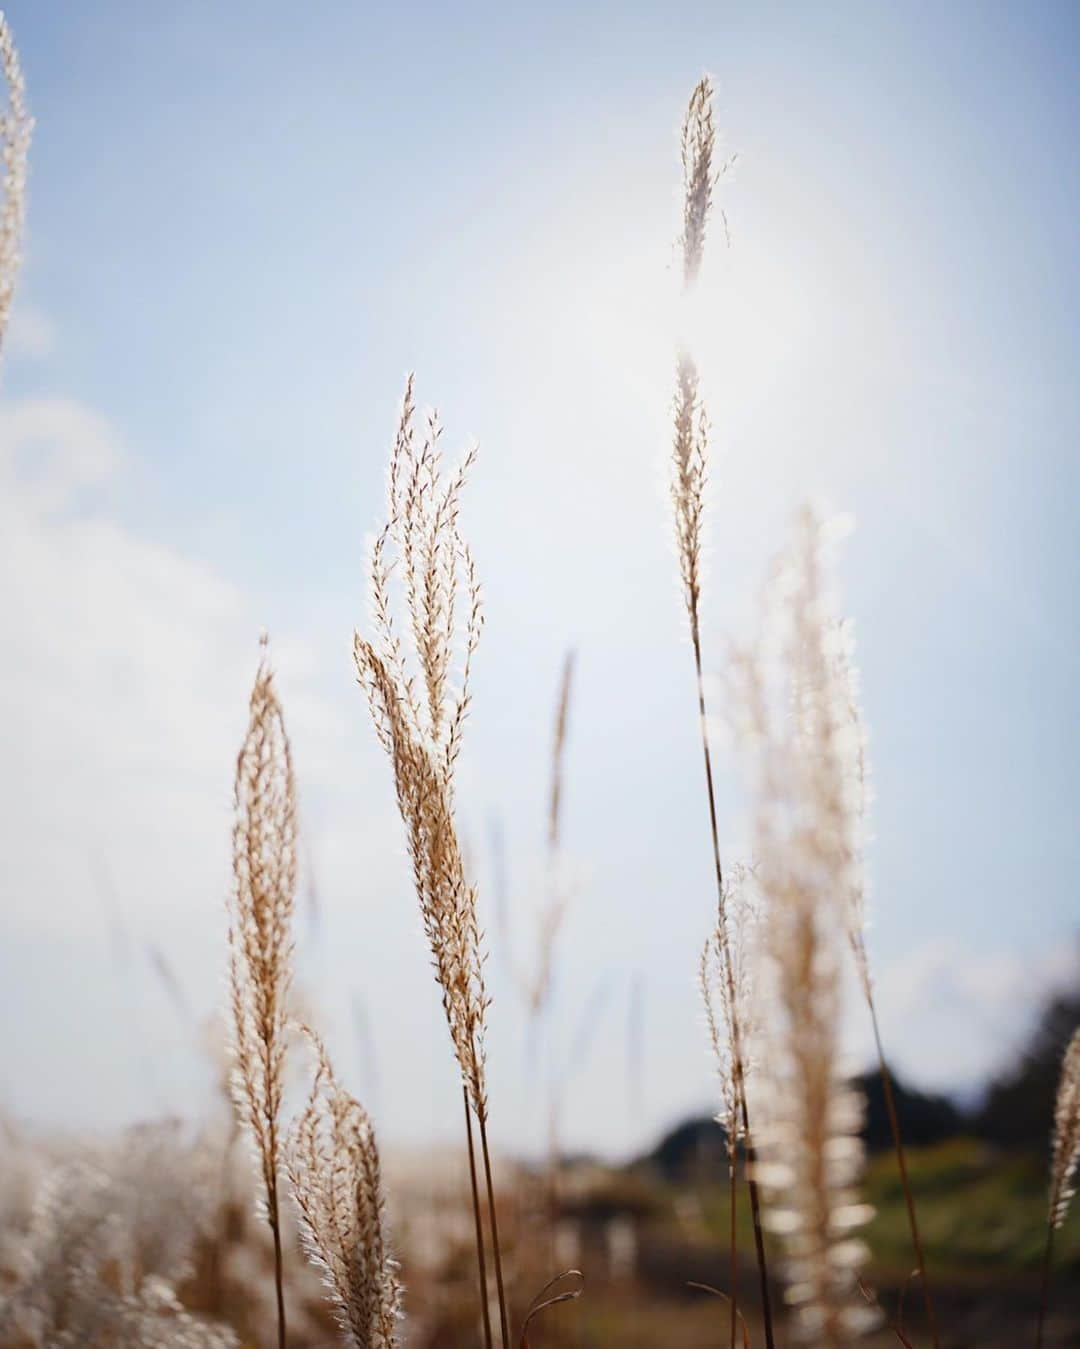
x=118 y=1238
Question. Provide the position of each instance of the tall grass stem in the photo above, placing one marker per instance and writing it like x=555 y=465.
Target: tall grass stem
x=901 y=1162
x=504 y=1316
x=751 y=1156
x=279 y=1281
x=481 y=1258
x=734 y=1248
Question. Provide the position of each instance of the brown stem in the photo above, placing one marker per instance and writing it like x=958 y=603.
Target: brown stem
x=279 y=1286
x=703 y=720
x=759 y=1232
x=481 y=1259
x=493 y=1217
x=729 y=975
x=901 y=1162
x=1044 y=1296
x=734 y=1245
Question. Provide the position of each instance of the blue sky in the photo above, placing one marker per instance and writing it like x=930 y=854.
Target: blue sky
x=246 y=225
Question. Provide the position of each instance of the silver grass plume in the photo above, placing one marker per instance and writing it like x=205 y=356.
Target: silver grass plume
x=728 y=1005
x=698 y=143
x=558 y=751
x=803 y=836
x=690 y=443
x=1066 y=1140
x=16 y=128
x=691 y=424
x=851 y=730
x=260 y=937
x=332 y=1160
x=537 y=986
x=1064 y=1157
x=112 y=1232
x=688 y=474
x=855 y=766
x=419 y=702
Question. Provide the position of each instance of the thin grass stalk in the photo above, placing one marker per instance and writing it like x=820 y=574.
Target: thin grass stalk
x=759 y=1231
x=734 y=1247
x=504 y=1315
x=688 y=480
x=730 y=935
x=847 y=692
x=481 y=1258
x=279 y=1280
x=729 y=976
x=901 y=1162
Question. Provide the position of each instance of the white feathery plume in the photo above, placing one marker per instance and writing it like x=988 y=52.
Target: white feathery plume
x=851 y=736
x=16 y=127
x=1066 y=1143
x=804 y=811
x=728 y=1005
x=697 y=146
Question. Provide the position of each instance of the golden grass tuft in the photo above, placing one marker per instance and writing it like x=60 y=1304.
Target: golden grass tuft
x=418 y=695
x=332 y=1160
x=421 y=730
x=687 y=485
x=260 y=938
x=697 y=147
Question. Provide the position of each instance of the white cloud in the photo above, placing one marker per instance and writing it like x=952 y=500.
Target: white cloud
x=125 y=667
x=952 y=1017
x=121 y=666
x=30 y=334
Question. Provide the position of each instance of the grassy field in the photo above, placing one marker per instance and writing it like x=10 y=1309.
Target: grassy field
x=982 y=1212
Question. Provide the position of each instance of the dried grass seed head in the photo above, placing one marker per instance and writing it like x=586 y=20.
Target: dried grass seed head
x=795 y=721
x=697 y=145
x=332 y=1159
x=688 y=474
x=260 y=920
x=16 y=128
x=728 y=1001
x=418 y=693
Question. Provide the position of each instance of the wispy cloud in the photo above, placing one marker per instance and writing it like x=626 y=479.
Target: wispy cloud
x=31 y=336
x=953 y=1017
x=116 y=658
